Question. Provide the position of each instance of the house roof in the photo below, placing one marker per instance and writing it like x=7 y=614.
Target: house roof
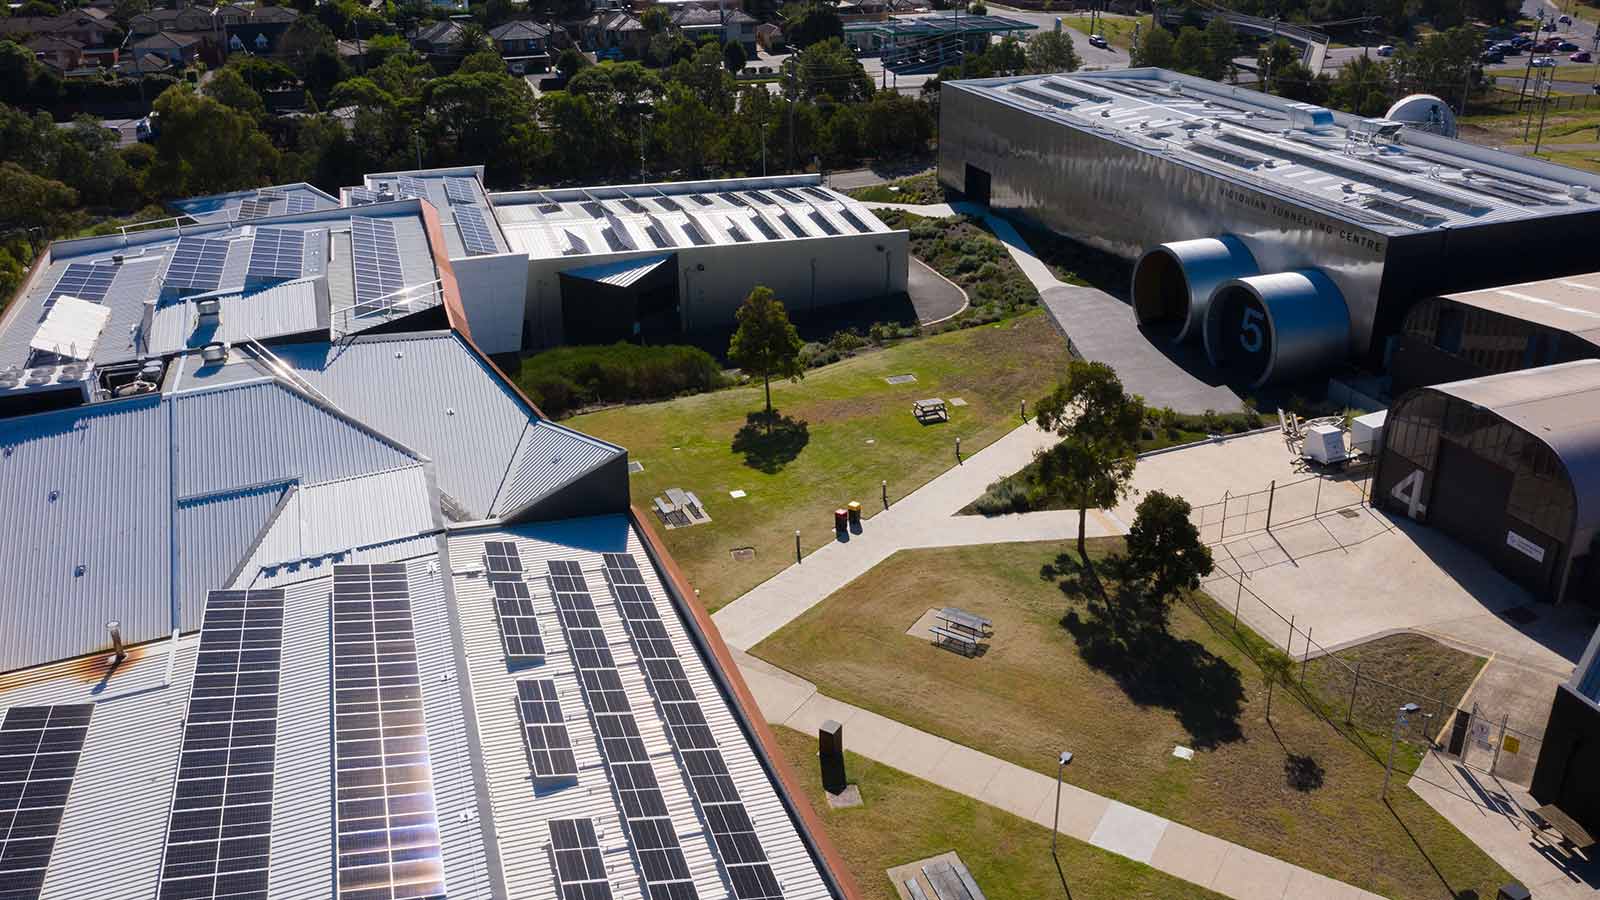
x=51 y=42
x=458 y=196
x=520 y=30
x=1570 y=304
x=166 y=40
x=440 y=32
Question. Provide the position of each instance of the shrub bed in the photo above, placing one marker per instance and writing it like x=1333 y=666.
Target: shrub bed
x=568 y=378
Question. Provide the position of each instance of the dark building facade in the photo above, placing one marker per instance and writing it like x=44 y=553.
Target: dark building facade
x=1509 y=465
x=1487 y=332
x=1568 y=771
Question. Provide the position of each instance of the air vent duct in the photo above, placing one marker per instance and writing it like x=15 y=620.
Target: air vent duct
x=1172 y=283
x=1276 y=327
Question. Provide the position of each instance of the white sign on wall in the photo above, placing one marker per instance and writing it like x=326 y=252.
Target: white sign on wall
x=1524 y=546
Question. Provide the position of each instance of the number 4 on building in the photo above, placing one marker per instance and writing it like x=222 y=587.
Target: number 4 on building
x=1408 y=490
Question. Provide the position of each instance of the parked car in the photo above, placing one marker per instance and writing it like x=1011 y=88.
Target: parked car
x=1581 y=56
x=1099 y=40
x=1567 y=47
x=1546 y=46
x=1565 y=20
x=1544 y=62
x=1521 y=41
x=1386 y=50
x=1492 y=56
x=148 y=128
x=1551 y=26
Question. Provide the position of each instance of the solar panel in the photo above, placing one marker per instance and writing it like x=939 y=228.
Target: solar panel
x=736 y=200
x=502 y=557
x=765 y=227
x=196 y=266
x=407 y=186
x=39 y=750
x=691 y=228
x=668 y=204
x=220 y=826
x=269 y=194
x=580 y=872
x=519 y=627
x=633 y=206
x=655 y=841
x=819 y=193
x=763 y=198
x=549 y=744
x=823 y=222
x=86 y=281
x=475 y=233
x=854 y=220
x=790 y=196
x=388 y=834
x=360 y=196
x=376 y=253
x=726 y=817
x=254 y=209
x=461 y=190
x=277 y=254
x=701 y=199
x=300 y=203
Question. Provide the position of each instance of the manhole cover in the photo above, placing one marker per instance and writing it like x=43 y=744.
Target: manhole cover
x=957 y=401
x=1349 y=514
x=1520 y=615
x=635 y=467
x=743 y=554
x=901 y=379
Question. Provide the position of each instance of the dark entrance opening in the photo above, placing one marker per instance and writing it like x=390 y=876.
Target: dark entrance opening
x=1469 y=498
x=977 y=185
x=631 y=300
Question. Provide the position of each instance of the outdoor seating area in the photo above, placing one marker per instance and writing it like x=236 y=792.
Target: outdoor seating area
x=1573 y=837
x=960 y=630
x=932 y=409
x=944 y=877
x=680 y=509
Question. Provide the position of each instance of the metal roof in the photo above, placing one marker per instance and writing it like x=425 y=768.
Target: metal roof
x=318 y=521
x=1559 y=405
x=579 y=222
x=276 y=200
x=621 y=273
x=1563 y=304
x=292 y=308
x=549 y=458
x=1367 y=171
x=941 y=24
x=447 y=190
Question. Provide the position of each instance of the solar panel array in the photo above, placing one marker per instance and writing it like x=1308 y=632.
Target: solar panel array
x=580 y=871
x=196 y=265
x=376 y=252
x=549 y=742
x=388 y=833
x=361 y=196
x=254 y=209
x=39 y=750
x=300 y=203
x=475 y=232
x=655 y=841
x=277 y=254
x=407 y=186
x=726 y=816
x=513 y=606
x=461 y=190
x=219 y=831
x=86 y=281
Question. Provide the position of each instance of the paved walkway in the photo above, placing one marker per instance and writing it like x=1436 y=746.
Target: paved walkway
x=1101 y=327
x=933 y=296
x=1178 y=850
x=925 y=518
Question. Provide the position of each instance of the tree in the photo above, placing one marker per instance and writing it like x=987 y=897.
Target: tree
x=1052 y=51
x=33 y=201
x=570 y=61
x=1098 y=423
x=686 y=127
x=733 y=56
x=229 y=88
x=978 y=8
x=1222 y=45
x=894 y=124
x=812 y=23
x=828 y=70
x=472 y=39
x=1443 y=64
x=1155 y=50
x=766 y=342
x=655 y=20
x=1164 y=547
x=1361 y=87
x=207 y=148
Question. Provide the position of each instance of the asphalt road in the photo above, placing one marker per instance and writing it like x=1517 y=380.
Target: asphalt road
x=1091 y=57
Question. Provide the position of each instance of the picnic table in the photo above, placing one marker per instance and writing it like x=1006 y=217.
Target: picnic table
x=961 y=629
x=930 y=409
x=1575 y=836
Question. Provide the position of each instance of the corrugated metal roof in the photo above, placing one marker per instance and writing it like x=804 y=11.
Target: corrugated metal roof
x=438 y=398
x=1559 y=405
x=549 y=458
x=71 y=328
x=214 y=533
x=622 y=273
x=320 y=520
x=225 y=207
x=292 y=308
x=1565 y=304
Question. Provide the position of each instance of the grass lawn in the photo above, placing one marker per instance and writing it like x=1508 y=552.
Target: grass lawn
x=903 y=819
x=1408 y=665
x=1294 y=788
x=858 y=430
x=923 y=188
x=1118 y=30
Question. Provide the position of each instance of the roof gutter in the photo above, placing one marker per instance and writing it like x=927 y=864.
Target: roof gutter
x=699 y=625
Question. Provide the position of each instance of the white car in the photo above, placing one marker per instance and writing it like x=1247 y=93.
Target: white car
x=1544 y=62
x=1099 y=40
x=1386 y=50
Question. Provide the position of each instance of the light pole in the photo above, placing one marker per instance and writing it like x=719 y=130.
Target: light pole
x=1055 y=827
x=1394 y=737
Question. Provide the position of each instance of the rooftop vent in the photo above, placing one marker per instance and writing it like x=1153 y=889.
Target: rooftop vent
x=1578 y=192
x=214 y=353
x=209 y=310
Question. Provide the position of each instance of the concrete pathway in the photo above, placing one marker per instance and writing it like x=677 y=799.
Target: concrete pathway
x=1101 y=327
x=1222 y=866
x=933 y=296
x=925 y=518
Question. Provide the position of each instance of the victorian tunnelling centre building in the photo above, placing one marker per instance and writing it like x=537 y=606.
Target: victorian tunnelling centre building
x=1286 y=238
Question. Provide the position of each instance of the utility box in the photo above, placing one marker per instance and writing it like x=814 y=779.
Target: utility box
x=1366 y=432
x=830 y=753
x=1513 y=891
x=1324 y=444
x=854 y=508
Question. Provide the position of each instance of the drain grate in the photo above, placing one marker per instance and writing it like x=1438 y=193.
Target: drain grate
x=1349 y=514
x=901 y=379
x=743 y=554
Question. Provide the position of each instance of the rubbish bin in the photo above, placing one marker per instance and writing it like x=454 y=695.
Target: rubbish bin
x=841 y=520
x=854 y=506
x=1513 y=891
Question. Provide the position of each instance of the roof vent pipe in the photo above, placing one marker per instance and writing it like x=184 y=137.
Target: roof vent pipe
x=214 y=354
x=209 y=310
x=1578 y=192
x=115 y=627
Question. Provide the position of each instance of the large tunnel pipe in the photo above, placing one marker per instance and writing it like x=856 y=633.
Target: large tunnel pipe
x=1277 y=327
x=1172 y=283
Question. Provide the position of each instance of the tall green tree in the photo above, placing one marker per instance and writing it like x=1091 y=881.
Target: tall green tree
x=1361 y=87
x=812 y=22
x=207 y=148
x=1098 y=423
x=1164 y=548
x=734 y=57
x=1155 y=50
x=1052 y=51
x=766 y=342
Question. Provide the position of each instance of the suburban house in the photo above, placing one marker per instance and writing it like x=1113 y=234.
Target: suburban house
x=438 y=39
x=203 y=26
x=619 y=30
x=59 y=53
x=524 y=45
x=87 y=28
x=258 y=30
x=176 y=48
x=696 y=22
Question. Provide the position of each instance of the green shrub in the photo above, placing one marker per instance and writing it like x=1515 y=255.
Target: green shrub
x=567 y=378
x=1004 y=496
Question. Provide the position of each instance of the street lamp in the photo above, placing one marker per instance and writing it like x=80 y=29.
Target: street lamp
x=1400 y=719
x=1055 y=829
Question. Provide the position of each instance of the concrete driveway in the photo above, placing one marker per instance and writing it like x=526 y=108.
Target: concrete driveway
x=933 y=296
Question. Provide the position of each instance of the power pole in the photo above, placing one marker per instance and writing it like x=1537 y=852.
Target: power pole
x=1528 y=70
x=794 y=89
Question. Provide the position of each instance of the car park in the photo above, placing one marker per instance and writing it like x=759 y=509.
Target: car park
x=1099 y=40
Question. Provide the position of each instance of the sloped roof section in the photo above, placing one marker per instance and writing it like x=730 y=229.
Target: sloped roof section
x=329 y=519
x=622 y=273
x=550 y=458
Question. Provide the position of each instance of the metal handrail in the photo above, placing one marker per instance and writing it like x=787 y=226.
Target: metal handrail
x=282 y=370
x=404 y=301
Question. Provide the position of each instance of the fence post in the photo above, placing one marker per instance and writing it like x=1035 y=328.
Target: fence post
x=1307 y=657
x=1291 y=636
x=1354 y=686
x=1316 y=505
x=1505 y=720
x=1238 y=594
x=1272 y=491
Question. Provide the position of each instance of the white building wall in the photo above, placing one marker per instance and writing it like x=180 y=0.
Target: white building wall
x=494 y=291
x=805 y=273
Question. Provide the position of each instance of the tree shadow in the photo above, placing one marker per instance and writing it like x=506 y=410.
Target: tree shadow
x=1303 y=772
x=769 y=449
x=1119 y=635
